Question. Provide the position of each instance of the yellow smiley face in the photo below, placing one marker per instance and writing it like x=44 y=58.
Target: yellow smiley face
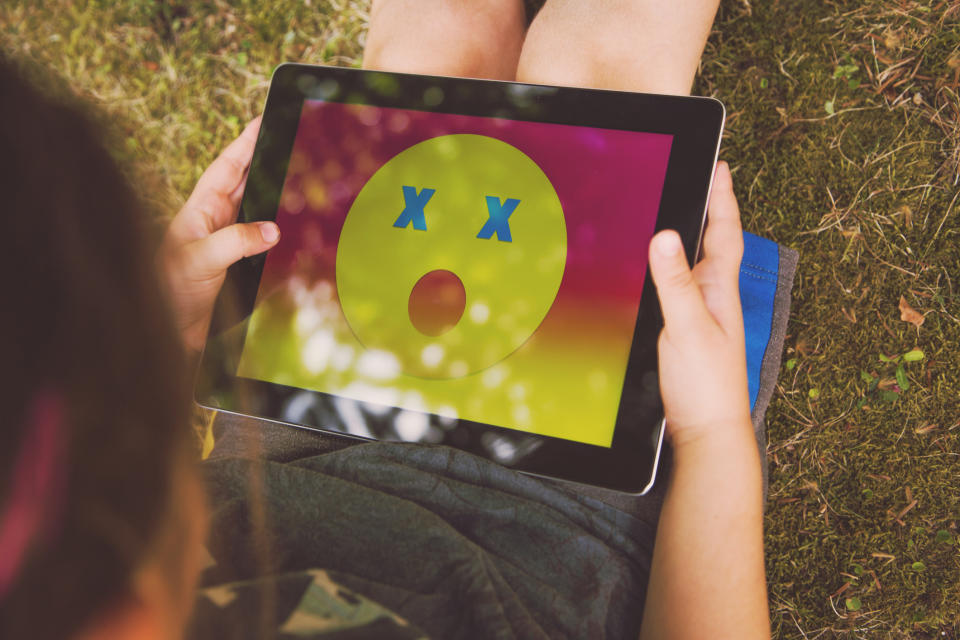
x=451 y=255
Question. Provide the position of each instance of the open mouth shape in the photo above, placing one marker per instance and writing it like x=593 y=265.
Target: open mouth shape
x=437 y=302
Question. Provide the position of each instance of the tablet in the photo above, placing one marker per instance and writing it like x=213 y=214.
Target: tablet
x=463 y=262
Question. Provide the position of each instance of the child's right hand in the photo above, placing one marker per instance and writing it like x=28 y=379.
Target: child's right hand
x=715 y=481
x=204 y=239
x=703 y=370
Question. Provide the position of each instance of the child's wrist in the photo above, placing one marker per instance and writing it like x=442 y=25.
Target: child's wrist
x=724 y=437
x=725 y=467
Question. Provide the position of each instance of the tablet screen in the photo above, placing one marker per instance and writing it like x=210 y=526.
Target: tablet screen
x=474 y=268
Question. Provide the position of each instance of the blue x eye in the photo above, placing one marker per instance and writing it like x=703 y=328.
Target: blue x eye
x=413 y=204
x=497 y=222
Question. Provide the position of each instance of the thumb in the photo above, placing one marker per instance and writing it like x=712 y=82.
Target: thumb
x=215 y=253
x=682 y=302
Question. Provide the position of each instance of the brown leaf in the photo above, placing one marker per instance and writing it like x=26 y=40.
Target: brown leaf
x=893 y=41
x=909 y=314
x=907 y=509
x=887 y=384
x=846 y=585
x=906 y=212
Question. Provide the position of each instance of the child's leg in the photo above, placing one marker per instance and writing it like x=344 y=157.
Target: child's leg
x=472 y=38
x=637 y=45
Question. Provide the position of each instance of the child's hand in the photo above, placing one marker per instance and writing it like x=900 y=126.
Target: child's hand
x=703 y=371
x=203 y=239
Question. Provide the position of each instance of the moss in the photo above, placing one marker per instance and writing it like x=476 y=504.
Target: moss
x=863 y=194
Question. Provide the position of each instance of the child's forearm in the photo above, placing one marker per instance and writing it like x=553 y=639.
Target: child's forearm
x=707 y=576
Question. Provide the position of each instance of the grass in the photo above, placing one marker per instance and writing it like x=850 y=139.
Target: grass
x=844 y=137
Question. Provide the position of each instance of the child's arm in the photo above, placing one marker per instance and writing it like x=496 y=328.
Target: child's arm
x=204 y=239
x=707 y=577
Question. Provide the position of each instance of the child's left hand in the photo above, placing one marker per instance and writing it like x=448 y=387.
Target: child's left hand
x=204 y=239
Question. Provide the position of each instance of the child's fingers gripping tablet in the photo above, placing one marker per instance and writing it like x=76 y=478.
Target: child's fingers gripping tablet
x=719 y=270
x=204 y=239
x=701 y=353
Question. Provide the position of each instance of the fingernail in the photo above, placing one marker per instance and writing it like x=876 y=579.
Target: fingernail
x=723 y=174
x=669 y=244
x=269 y=232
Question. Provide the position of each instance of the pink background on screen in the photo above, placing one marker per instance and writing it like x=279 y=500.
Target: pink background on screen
x=609 y=183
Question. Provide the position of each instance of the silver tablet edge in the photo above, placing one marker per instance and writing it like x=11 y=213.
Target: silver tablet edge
x=703 y=224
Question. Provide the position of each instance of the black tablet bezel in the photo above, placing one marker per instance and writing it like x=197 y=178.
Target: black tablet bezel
x=696 y=124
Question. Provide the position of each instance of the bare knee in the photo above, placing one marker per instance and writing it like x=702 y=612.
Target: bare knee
x=635 y=48
x=474 y=39
x=558 y=56
x=596 y=59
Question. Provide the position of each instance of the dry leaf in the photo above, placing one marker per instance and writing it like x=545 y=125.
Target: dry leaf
x=907 y=213
x=909 y=314
x=887 y=384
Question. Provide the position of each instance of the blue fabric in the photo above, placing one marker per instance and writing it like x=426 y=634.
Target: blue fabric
x=759 y=272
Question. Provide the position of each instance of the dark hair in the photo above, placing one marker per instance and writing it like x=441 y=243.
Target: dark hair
x=82 y=318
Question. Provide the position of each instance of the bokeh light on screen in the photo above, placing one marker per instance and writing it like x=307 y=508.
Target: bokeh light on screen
x=543 y=229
